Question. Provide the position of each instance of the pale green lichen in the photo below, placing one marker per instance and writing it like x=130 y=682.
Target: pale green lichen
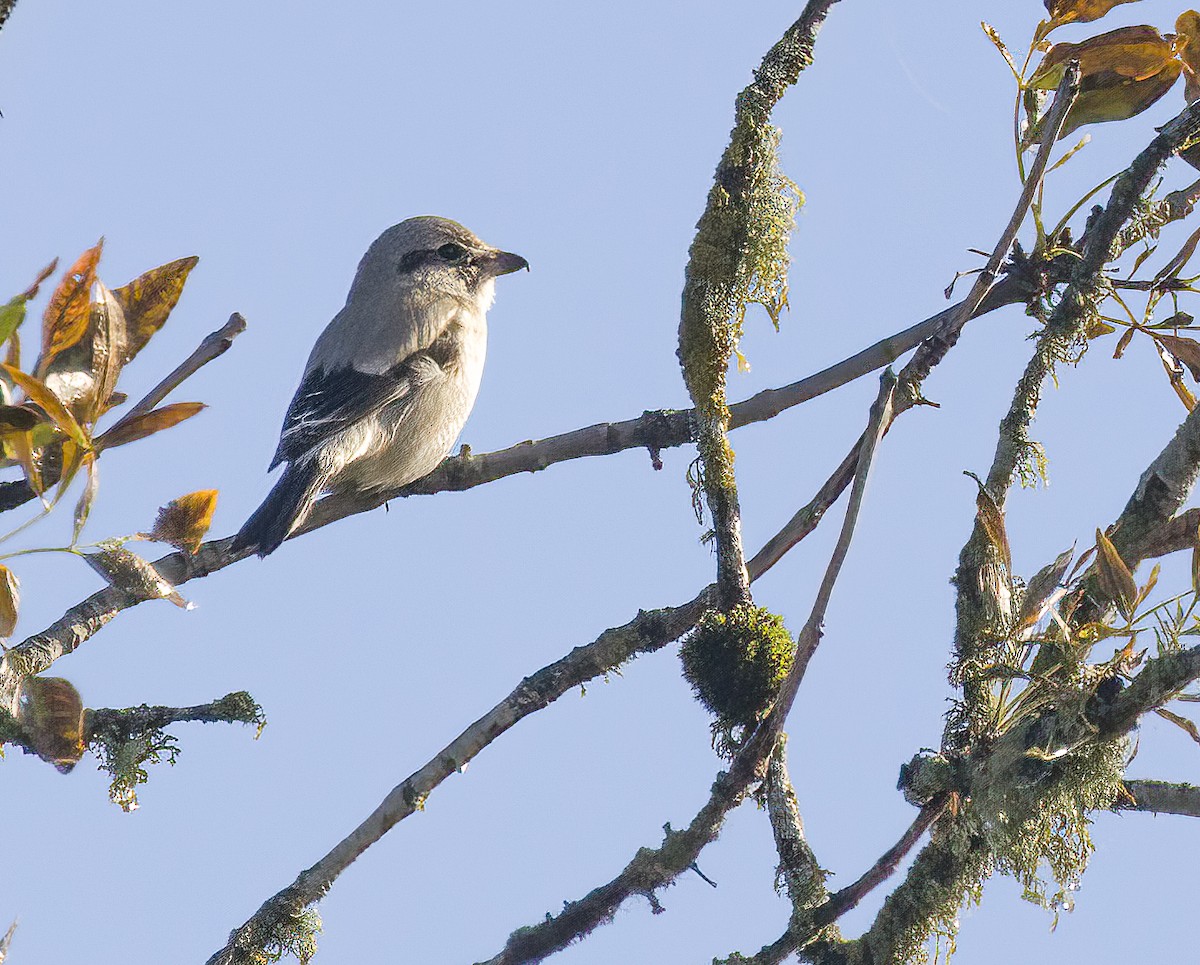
x=739 y=258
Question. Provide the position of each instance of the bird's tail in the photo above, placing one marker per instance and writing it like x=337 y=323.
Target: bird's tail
x=286 y=506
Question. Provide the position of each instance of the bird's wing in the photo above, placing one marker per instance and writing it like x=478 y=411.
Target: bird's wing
x=328 y=402
x=365 y=359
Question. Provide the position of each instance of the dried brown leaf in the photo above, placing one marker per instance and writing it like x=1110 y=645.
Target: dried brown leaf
x=129 y=572
x=991 y=518
x=10 y=600
x=1041 y=587
x=146 y=424
x=65 y=320
x=183 y=522
x=1115 y=578
x=1187 y=350
x=147 y=301
x=50 y=712
x=1187 y=42
x=1080 y=11
x=1122 y=73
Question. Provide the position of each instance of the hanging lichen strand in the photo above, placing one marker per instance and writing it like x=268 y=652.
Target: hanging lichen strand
x=739 y=257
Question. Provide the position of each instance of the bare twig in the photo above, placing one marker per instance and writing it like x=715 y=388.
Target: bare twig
x=1161 y=797
x=214 y=345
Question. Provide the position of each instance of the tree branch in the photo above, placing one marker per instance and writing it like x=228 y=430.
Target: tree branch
x=652 y=869
x=1161 y=797
x=981 y=601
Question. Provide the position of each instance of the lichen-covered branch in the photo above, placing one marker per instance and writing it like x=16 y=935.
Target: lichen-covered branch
x=980 y=582
x=802 y=878
x=1161 y=797
x=739 y=255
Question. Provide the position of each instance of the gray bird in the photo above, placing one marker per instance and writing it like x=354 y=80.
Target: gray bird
x=393 y=377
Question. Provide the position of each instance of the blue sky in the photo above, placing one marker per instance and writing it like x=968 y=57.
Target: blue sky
x=276 y=141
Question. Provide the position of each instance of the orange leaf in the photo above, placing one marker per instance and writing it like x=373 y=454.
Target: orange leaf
x=149 y=299
x=10 y=600
x=41 y=396
x=184 y=521
x=147 y=424
x=66 y=317
x=50 y=712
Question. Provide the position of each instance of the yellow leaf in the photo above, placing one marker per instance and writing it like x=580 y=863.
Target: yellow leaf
x=184 y=521
x=21 y=446
x=10 y=600
x=1080 y=11
x=65 y=320
x=1122 y=73
x=129 y=572
x=50 y=712
x=147 y=424
x=1187 y=44
x=41 y=396
x=1115 y=578
x=149 y=299
x=991 y=518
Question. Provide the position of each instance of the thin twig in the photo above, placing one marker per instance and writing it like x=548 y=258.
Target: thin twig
x=214 y=345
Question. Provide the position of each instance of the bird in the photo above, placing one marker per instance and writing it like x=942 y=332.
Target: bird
x=391 y=379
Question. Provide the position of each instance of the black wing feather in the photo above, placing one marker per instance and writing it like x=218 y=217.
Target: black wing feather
x=328 y=402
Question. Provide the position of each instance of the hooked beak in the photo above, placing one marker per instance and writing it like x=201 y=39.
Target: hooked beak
x=497 y=262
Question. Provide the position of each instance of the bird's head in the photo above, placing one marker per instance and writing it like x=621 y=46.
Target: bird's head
x=431 y=257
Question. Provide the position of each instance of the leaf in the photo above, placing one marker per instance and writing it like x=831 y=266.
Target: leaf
x=21 y=444
x=1115 y=578
x=83 y=507
x=1196 y=563
x=1172 y=268
x=146 y=424
x=50 y=712
x=41 y=396
x=991 y=518
x=65 y=319
x=20 y=417
x=1041 y=588
x=1123 y=342
x=1122 y=73
x=13 y=313
x=129 y=572
x=10 y=600
x=1080 y=11
x=108 y=350
x=147 y=301
x=184 y=521
x=1188 y=726
x=1187 y=32
x=1187 y=350
x=1178 y=320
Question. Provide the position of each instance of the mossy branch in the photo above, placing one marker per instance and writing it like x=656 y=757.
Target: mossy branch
x=739 y=256
x=980 y=582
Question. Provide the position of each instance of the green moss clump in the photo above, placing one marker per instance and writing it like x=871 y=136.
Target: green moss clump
x=736 y=662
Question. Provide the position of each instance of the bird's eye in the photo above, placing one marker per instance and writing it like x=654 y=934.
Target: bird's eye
x=452 y=252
